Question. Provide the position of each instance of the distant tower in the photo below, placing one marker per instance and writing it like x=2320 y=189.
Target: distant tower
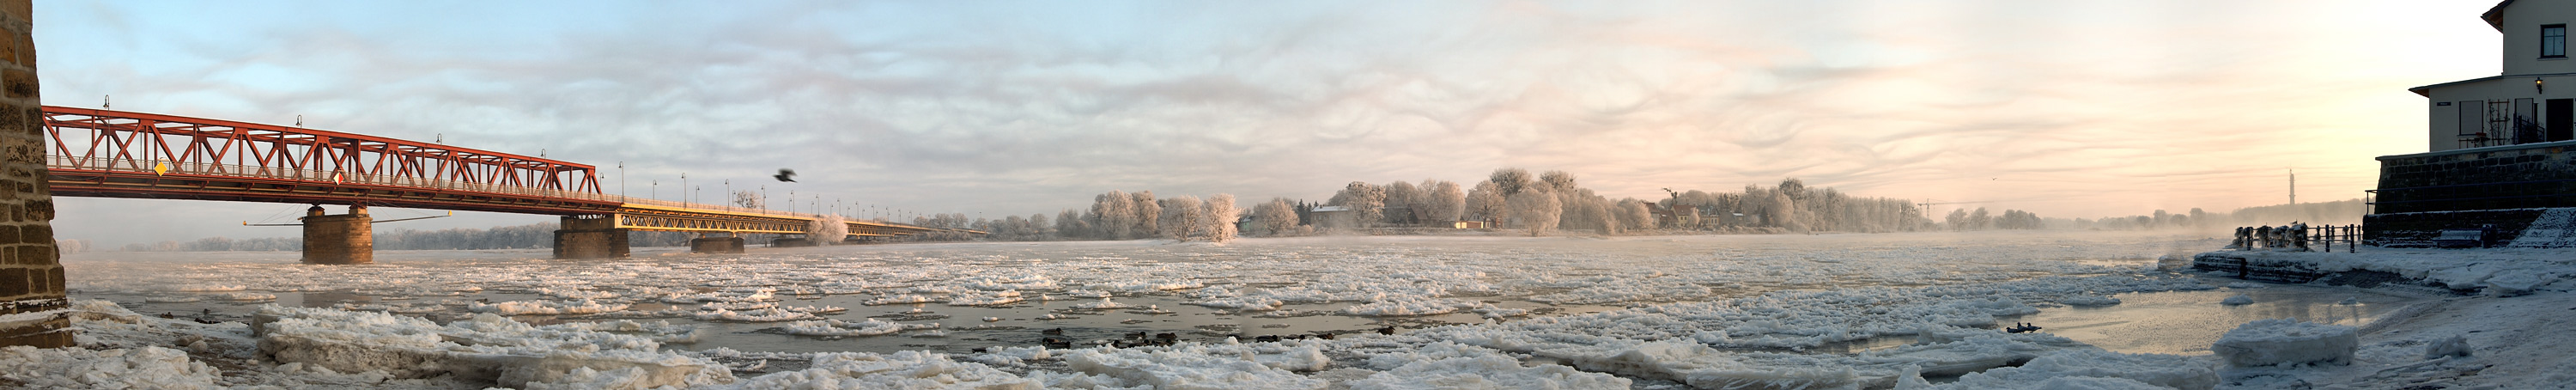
x=2294 y=186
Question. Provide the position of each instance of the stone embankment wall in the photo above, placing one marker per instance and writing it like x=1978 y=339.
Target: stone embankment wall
x=2418 y=229
x=31 y=274
x=2519 y=177
x=2501 y=188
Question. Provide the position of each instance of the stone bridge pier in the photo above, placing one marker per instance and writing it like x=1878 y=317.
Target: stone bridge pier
x=590 y=237
x=339 y=239
x=729 y=243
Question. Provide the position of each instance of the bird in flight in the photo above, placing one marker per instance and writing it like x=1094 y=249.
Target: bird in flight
x=785 y=175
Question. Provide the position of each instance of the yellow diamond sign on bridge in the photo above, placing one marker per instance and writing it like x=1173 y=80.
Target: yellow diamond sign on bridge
x=160 y=168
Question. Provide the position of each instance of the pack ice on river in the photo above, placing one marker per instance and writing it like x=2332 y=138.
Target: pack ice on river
x=1751 y=311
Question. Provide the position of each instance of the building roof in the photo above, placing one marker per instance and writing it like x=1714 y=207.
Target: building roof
x=2427 y=91
x=2495 y=16
x=1330 y=209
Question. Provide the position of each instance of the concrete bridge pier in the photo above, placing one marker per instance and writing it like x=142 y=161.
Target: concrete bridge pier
x=730 y=243
x=339 y=239
x=590 y=237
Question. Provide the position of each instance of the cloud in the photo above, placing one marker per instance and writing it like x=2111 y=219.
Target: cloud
x=1012 y=109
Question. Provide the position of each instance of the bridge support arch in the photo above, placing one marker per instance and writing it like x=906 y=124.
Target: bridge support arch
x=339 y=239
x=590 y=237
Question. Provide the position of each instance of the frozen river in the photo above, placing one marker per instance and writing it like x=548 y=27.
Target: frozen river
x=955 y=297
x=1653 y=311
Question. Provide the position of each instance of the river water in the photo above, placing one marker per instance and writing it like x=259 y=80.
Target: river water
x=1320 y=285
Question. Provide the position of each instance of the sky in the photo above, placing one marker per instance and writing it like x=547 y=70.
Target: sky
x=2063 y=108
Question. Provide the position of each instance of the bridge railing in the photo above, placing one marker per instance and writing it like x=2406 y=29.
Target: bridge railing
x=310 y=175
x=747 y=210
x=314 y=175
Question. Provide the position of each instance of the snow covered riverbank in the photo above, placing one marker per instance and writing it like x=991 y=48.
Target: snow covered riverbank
x=1879 y=311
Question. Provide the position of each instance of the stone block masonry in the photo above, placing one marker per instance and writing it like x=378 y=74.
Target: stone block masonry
x=31 y=273
x=590 y=237
x=339 y=239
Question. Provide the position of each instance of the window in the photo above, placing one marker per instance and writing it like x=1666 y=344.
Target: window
x=2553 y=41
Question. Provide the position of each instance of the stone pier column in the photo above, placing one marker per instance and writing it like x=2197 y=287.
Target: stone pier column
x=339 y=239
x=728 y=244
x=31 y=273
x=590 y=237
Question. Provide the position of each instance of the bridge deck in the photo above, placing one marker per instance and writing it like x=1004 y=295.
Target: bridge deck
x=118 y=154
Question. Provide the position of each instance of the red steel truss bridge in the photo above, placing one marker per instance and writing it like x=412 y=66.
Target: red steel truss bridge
x=120 y=154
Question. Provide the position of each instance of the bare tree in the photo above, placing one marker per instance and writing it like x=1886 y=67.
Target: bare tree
x=748 y=199
x=1220 y=217
x=1537 y=210
x=1180 y=219
x=1276 y=218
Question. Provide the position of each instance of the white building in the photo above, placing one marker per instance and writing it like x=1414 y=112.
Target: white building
x=2521 y=105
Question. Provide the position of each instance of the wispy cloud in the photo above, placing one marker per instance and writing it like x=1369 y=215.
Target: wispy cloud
x=1016 y=108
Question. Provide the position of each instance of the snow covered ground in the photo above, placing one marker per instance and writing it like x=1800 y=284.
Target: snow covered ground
x=1859 y=311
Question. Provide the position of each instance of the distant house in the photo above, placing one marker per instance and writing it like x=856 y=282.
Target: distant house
x=2500 y=149
x=1470 y=225
x=1331 y=216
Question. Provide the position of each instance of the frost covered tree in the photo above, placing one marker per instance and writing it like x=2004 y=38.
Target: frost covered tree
x=1275 y=218
x=1444 y=203
x=748 y=199
x=1219 y=217
x=1958 y=219
x=1069 y=224
x=1980 y=220
x=1148 y=213
x=1402 y=195
x=1511 y=181
x=1635 y=214
x=1033 y=227
x=1560 y=181
x=1367 y=202
x=1783 y=212
x=1484 y=203
x=1794 y=188
x=1113 y=215
x=1536 y=209
x=1180 y=219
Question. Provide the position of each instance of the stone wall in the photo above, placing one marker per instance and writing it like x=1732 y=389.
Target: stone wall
x=31 y=273
x=2516 y=177
x=2416 y=230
